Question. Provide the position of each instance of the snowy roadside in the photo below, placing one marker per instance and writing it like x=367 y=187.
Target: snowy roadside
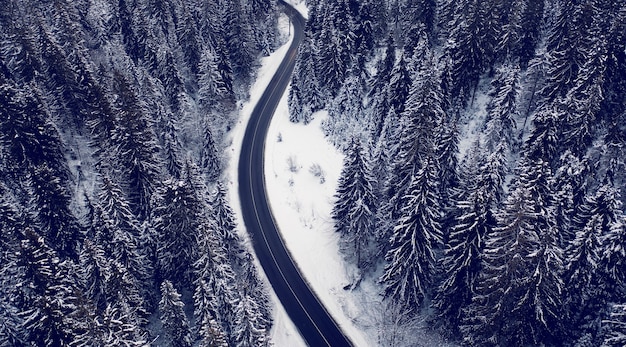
x=283 y=333
x=316 y=254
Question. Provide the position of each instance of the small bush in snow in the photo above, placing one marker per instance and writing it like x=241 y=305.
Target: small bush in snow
x=292 y=164
x=317 y=171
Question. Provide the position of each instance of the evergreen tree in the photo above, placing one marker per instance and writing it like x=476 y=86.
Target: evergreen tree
x=111 y=328
x=502 y=108
x=615 y=327
x=93 y=272
x=121 y=233
x=209 y=157
x=175 y=323
x=613 y=259
x=224 y=220
x=28 y=136
x=177 y=220
x=51 y=201
x=570 y=181
x=517 y=301
x=214 y=85
x=209 y=330
x=399 y=85
x=48 y=302
x=135 y=148
x=249 y=330
x=410 y=261
x=416 y=143
x=354 y=209
x=465 y=242
x=379 y=85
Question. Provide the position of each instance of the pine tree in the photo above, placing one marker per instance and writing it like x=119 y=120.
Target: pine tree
x=248 y=328
x=51 y=201
x=121 y=233
x=209 y=157
x=615 y=327
x=112 y=328
x=399 y=85
x=379 y=85
x=205 y=299
x=570 y=189
x=214 y=86
x=92 y=273
x=465 y=242
x=416 y=143
x=177 y=220
x=28 y=136
x=354 y=209
x=11 y=224
x=502 y=108
x=518 y=296
x=135 y=148
x=224 y=220
x=306 y=81
x=175 y=323
x=410 y=261
x=238 y=40
x=49 y=303
x=613 y=259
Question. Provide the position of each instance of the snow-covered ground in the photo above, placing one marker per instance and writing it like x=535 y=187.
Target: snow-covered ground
x=301 y=205
x=284 y=333
x=302 y=169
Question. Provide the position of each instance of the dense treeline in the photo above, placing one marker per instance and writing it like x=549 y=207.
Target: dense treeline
x=485 y=159
x=115 y=230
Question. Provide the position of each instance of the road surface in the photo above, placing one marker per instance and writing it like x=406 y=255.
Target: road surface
x=315 y=324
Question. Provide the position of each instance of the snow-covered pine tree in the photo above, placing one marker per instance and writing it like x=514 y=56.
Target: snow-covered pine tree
x=48 y=299
x=518 y=298
x=210 y=252
x=120 y=234
x=410 y=261
x=175 y=324
x=209 y=156
x=399 y=84
x=27 y=134
x=177 y=219
x=135 y=149
x=11 y=224
x=613 y=260
x=502 y=108
x=585 y=98
x=465 y=242
x=213 y=87
x=615 y=327
x=418 y=125
x=249 y=328
x=346 y=115
x=570 y=187
x=355 y=207
x=224 y=219
x=51 y=205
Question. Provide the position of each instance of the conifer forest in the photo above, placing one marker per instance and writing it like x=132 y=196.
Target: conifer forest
x=115 y=227
x=483 y=186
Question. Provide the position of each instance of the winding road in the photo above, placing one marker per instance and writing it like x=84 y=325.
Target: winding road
x=315 y=324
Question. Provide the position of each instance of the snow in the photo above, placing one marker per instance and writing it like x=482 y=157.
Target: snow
x=283 y=333
x=299 y=5
x=301 y=208
x=473 y=120
x=302 y=170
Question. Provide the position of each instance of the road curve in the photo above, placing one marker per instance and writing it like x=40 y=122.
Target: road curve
x=315 y=324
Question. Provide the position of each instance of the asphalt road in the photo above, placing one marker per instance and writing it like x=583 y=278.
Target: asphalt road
x=315 y=324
